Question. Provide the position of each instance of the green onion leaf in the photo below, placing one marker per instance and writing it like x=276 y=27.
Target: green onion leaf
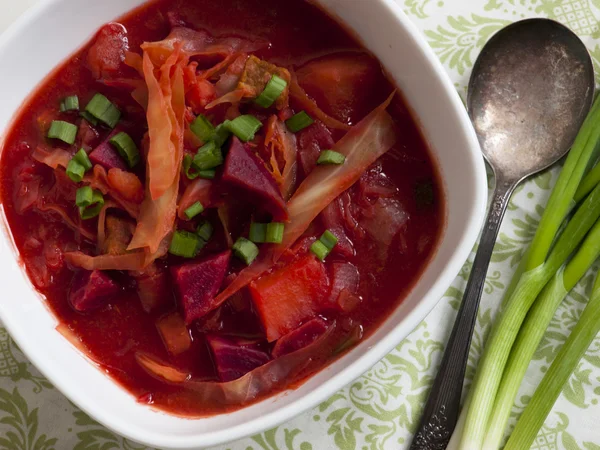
x=102 y=109
x=329 y=157
x=320 y=250
x=205 y=231
x=329 y=240
x=89 y=201
x=299 y=122
x=82 y=158
x=202 y=128
x=273 y=90
x=65 y=131
x=126 y=148
x=557 y=376
x=222 y=133
x=70 y=103
x=258 y=232
x=185 y=244
x=75 y=171
x=245 y=127
x=194 y=210
x=208 y=157
x=87 y=116
x=246 y=250
x=275 y=232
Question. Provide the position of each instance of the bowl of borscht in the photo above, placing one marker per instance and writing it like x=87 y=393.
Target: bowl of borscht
x=216 y=214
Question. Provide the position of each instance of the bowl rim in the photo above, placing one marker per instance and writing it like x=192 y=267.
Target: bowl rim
x=353 y=370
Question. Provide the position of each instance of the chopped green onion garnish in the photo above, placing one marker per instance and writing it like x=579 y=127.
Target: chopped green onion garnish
x=208 y=157
x=82 y=158
x=185 y=244
x=75 y=171
x=329 y=240
x=245 y=127
x=205 y=231
x=192 y=172
x=299 y=122
x=84 y=196
x=78 y=166
x=246 y=250
x=126 y=148
x=188 y=168
x=258 y=232
x=328 y=157
x=320 y=250
x=102 y=109
x=207 y=174
x=65 y=131
x=275 y=232
x=70 y=103
x=89 y=201
x=222 y=133
x=202 y=128
x=87 y=116
x=273 y=90
x=194 y=210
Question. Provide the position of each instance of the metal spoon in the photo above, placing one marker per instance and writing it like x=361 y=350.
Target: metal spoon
x=529 y=92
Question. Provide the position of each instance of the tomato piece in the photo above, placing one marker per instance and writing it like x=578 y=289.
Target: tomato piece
x=343 y=85
x=108 y=51
x=289 y=296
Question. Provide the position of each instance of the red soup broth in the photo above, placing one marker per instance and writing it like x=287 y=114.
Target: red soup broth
x=391 y=250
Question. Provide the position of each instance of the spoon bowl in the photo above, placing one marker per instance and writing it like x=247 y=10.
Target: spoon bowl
x=530 y=91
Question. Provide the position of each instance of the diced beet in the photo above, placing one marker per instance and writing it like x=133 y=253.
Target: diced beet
x=344 y=285
x=106 y=155
x=174 y=333
x=333 y=220
x=291 y=295
x=234 y=357
x=198 y=282
x=91 y=290
x=245 y=170
x=300 y=337
x=311 y=141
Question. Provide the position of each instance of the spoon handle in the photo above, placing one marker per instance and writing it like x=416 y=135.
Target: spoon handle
x=441 y=411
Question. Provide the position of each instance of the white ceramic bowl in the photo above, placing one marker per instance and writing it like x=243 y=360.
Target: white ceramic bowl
x=33 y=46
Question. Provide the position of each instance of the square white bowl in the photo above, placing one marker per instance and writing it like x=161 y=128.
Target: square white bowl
x=34 y=45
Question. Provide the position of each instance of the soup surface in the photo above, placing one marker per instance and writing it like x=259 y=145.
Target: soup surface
x=217 y=199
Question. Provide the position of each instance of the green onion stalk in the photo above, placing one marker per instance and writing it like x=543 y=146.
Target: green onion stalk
x=558 y=374
x=544 y=258
x=533 y=330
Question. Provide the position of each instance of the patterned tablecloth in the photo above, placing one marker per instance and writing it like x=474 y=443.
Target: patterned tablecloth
x=381 y=409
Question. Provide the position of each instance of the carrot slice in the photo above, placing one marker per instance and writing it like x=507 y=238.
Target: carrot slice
x=286 y=298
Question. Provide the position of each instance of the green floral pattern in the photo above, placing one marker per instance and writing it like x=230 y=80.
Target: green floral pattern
x=380 y=410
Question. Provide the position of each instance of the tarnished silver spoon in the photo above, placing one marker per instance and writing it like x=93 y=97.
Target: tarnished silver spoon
x=529 y=92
